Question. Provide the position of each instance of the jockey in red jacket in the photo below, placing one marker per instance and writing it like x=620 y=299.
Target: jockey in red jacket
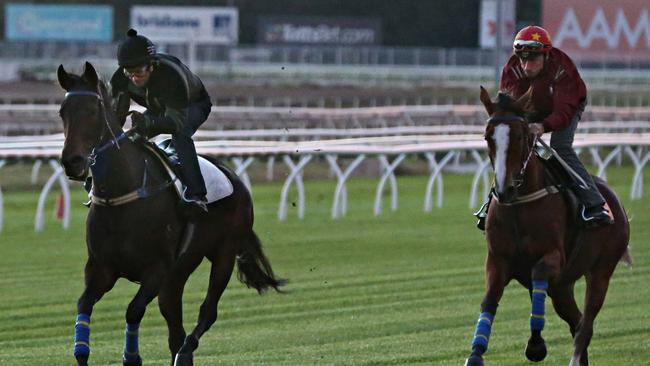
x=559 y=98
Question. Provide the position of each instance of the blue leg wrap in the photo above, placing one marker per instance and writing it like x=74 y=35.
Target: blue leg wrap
x=538 y=298
x=131 y=352
x=482 y=332
x=82 y=335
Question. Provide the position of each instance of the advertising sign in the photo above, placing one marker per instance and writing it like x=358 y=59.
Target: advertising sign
x=216 y=25
x=600 y=29
x=302 y=30
x=488 y=23
x=26 y=22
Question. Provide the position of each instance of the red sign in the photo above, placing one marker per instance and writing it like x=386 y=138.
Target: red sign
x=599 y=29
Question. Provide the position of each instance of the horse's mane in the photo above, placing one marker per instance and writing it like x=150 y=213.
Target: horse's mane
x=105 y=91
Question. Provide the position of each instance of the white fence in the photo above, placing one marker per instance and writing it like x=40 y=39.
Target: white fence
x=389 y=146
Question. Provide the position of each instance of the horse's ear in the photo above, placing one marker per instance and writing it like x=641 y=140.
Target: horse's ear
x=524 y=103
x=64 y=78
x=487 y=102
x=90 y=74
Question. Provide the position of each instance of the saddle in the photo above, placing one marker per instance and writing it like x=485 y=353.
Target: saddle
x=217 y=184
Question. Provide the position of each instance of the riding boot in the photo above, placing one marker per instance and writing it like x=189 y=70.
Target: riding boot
x=195 y=191
x=593 y=210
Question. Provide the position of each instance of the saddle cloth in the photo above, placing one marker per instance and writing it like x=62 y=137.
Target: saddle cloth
x=218 y=186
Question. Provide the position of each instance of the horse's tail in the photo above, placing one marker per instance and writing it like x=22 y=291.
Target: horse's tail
x=255 y=269
x=627 y=257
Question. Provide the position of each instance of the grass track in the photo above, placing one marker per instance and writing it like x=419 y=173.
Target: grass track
x=400 y=289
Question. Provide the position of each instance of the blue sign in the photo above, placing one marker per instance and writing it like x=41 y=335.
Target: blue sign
x=26 y=22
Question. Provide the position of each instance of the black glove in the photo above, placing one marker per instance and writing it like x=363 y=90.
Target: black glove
x=141 y=123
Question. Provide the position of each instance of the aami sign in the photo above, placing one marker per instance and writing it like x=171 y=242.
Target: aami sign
x=600 y=29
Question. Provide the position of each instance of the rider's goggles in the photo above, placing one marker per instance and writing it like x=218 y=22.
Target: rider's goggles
x=521 y=45
x=139 y=71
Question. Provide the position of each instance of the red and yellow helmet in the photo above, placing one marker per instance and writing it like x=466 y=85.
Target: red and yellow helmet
x=532 y=39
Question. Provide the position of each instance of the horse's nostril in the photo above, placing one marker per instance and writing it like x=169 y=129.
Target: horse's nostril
x=74 y=165
x=73 y=160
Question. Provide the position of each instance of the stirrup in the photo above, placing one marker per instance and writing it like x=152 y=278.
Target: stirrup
x=200 y=203
x=601 y=217
x=482 y=212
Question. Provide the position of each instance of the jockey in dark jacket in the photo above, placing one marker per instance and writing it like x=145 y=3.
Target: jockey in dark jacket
x=559 y=98
x=175 y=99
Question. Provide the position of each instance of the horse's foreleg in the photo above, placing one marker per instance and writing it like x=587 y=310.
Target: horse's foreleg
x=222 y=267
x=170 y=299
x=135 y=312
x=99 y=280
x=597 y=285
x=548 y=267
x=496 y=270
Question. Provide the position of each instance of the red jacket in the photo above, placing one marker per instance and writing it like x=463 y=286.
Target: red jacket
x=558 y=90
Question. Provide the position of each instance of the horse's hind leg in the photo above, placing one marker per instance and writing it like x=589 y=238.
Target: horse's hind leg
x=135 y=312
x=99 y=280
x=222 y=267
x=565 y=306
x=597 y=285
x=170 y=299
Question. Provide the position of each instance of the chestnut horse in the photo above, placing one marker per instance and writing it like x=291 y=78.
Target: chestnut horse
x=142 y=239
x=533 y=236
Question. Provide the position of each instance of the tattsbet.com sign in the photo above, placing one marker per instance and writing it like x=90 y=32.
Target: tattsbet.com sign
x=215 y=25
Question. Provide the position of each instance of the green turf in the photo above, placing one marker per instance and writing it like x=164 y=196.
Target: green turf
x=400 y=289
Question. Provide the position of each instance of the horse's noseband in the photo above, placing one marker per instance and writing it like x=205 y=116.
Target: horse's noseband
x=80 y=93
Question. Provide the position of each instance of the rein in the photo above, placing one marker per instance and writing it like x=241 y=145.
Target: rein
x=143 y=191
x=519 y=178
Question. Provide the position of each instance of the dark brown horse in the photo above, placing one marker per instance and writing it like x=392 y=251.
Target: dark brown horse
x=533 y=237
x=141 y=239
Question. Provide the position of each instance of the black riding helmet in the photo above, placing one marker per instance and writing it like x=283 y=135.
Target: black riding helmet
x=135 y=50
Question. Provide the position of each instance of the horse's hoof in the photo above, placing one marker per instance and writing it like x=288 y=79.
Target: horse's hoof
x=82 y=360
x=536 y=350
x=135 y=361
x=474 y=360
x=183 y=359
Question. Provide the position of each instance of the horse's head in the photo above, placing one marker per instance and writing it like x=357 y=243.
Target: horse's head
x=84 y=116
x=509 y=141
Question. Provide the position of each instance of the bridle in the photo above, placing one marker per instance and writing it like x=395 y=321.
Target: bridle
x=141 y=192
x=114 y=141
x=518 y=179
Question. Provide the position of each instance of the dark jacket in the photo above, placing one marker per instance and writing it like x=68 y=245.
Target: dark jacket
x=172 y=87
x=558 y=91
